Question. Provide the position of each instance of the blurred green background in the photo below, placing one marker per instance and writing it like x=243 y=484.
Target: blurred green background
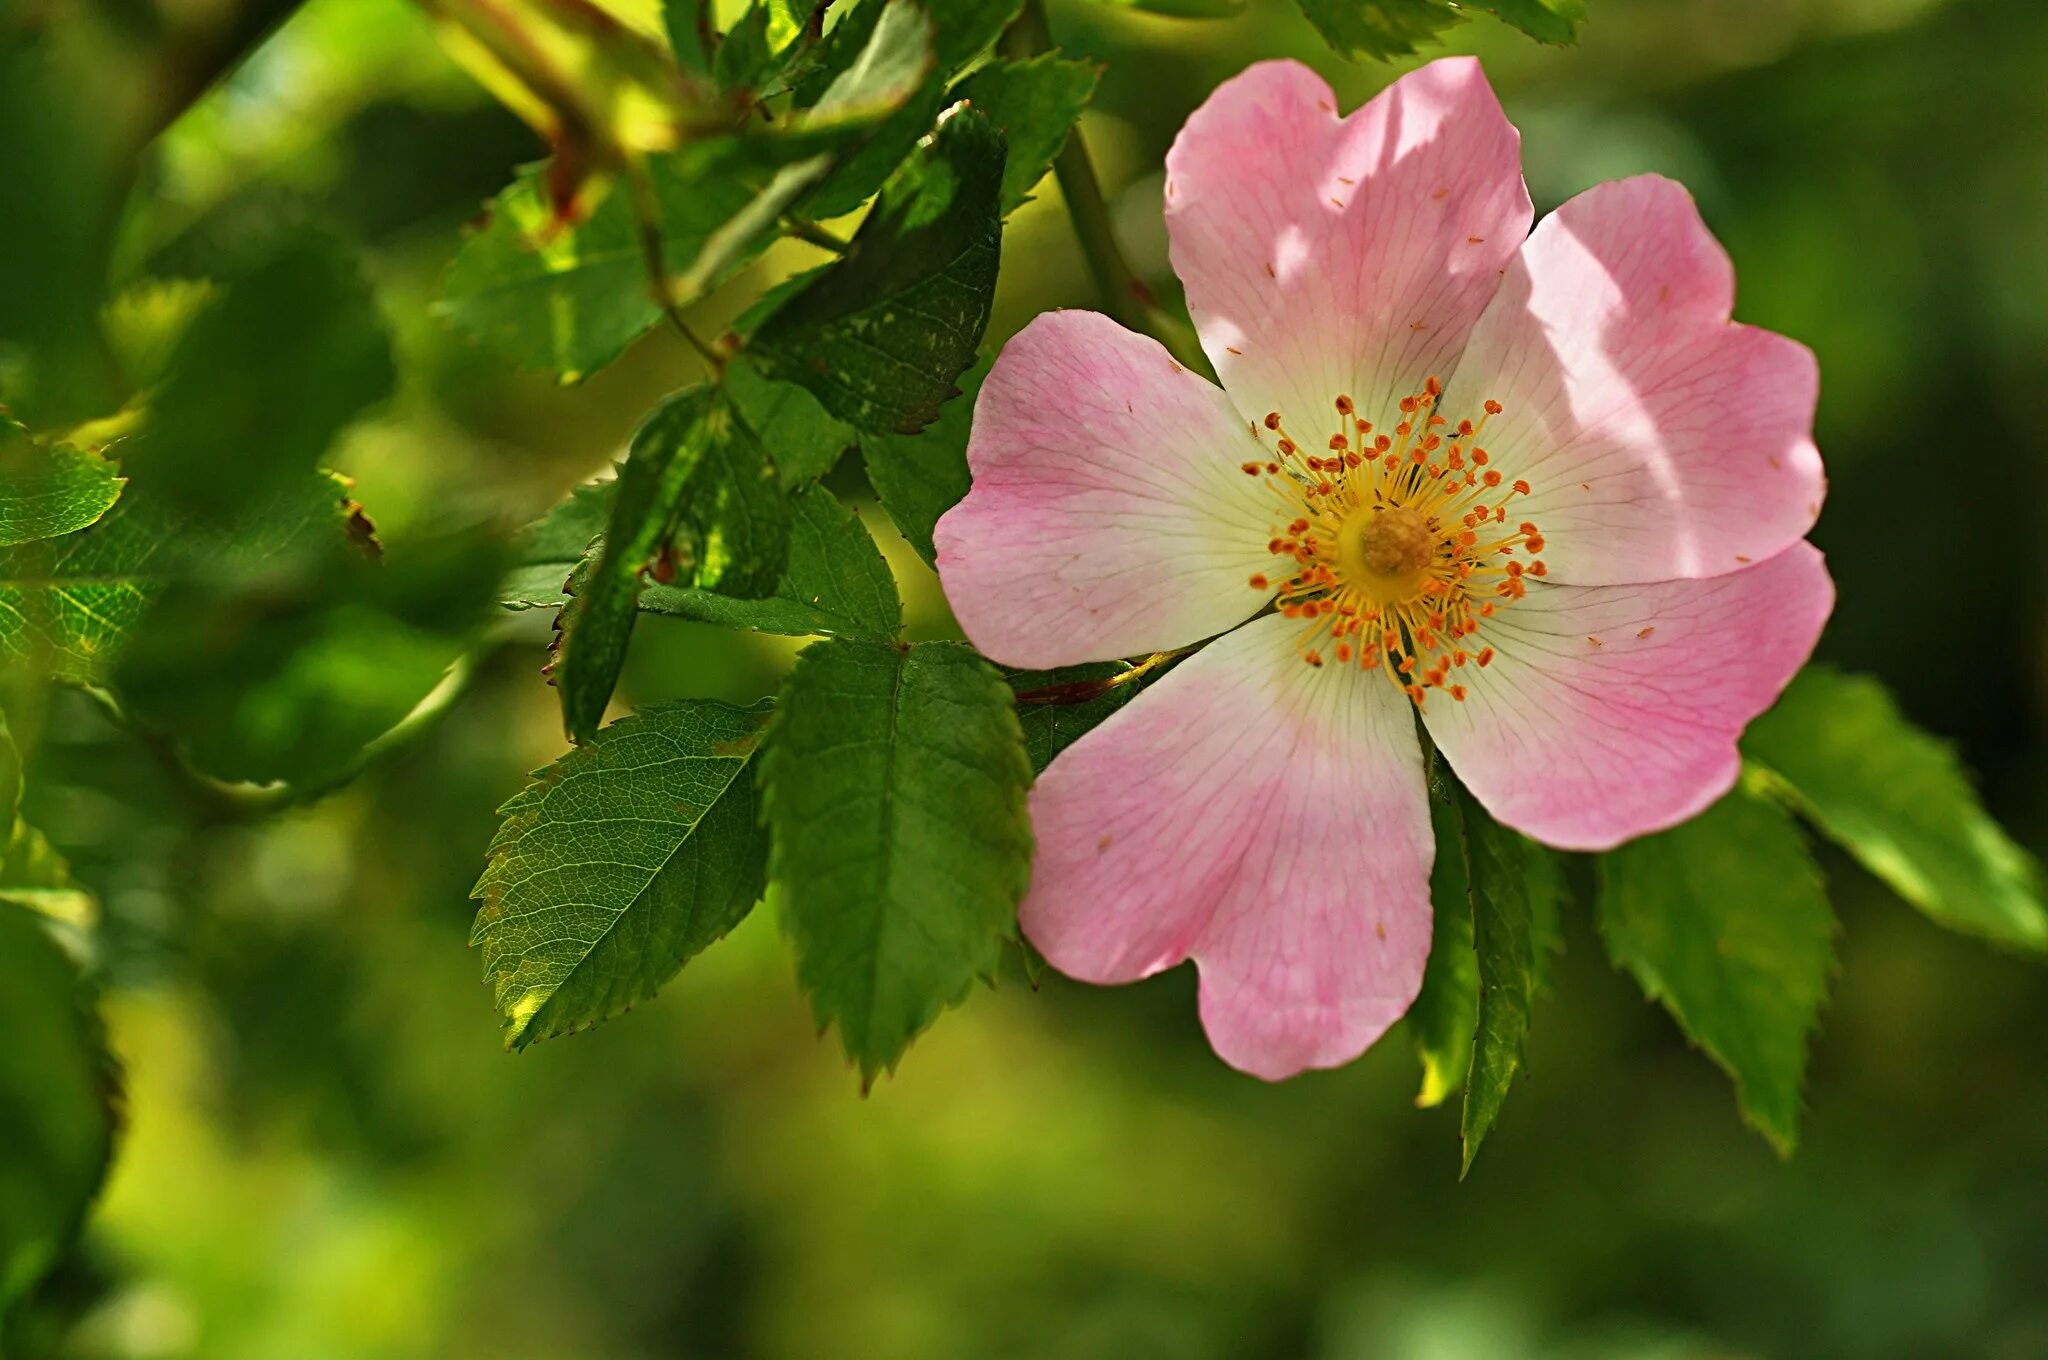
x=329 y=1155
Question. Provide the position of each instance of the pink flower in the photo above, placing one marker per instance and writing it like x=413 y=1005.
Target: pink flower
x=1536 y=486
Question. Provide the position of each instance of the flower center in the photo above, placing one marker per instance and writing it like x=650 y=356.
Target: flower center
x=1397 y=546
x=1382 y=551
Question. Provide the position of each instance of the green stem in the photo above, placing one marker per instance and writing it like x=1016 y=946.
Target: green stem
x=803 y=229
x=1125 y=296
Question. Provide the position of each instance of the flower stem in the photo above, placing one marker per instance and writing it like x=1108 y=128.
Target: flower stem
x=1081 y=691
x=1125 y=296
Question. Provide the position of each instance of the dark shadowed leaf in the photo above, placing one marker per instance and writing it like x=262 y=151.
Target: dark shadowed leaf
x=579 y=920
x=1034 y=104
x=56 y=1102
x=1058 y=707
x=881 y=336
x=287 y=672
x=47 y=490
x=1515 y=887
x=695 y=502
x=920 y=477
x=894 y=779
x=1898 y=800
x=263 y=380
x=836 y=583
x=1723 y=921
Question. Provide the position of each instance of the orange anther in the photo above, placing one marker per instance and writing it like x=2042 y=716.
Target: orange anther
x=1344 y=406
x=1252 y=469
x=1485 y=655
x=1479 y=457
x=1259 y=581
x=1272 y=420
x=1521 y=488
x=1492 y=407
x=1338 y=441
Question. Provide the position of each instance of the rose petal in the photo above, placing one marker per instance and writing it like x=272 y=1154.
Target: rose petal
x=1328 y=256
x=1612 y=711
x=1109 y=514
x=1660 y=439
x=1267 y=819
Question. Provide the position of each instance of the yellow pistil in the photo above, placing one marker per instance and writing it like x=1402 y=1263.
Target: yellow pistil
x=1397 y=544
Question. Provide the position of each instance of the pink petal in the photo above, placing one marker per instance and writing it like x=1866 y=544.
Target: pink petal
x=1109 y=514
x=1660 y=439
x=1612 y=711
x=1267 y=819
x=1328 y=256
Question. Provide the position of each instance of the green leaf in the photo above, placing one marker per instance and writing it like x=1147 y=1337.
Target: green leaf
x=1380 y=29
x=1723 y=921
x=694 y=472
x=618 y=864
x=47 y=491
x=800 y=436
x=880 y=336
x=263 y=380
x=1384 y=29
x=1069 y=702
x=836 y=584
x=1184 y=9
x=570 y=298
x=894 y=779
x=1549 y=21
x=873 y=64
x=1446 y=1010
x=1897 y=799
x=58 y=146
x=56 y=1103
x=289 y=671
x=1035 y=104
x=66 y=604
x=920 y=477
x=551 y=546
x=1515 y=886
x=32 y=873
x=679 y=20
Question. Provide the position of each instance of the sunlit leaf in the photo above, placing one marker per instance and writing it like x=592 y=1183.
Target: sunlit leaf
x=894 y=779
x=1898 y=800
x=800 y=437
x=47 y=490
x=1723 y=921
x=1446 y=1010
x=582 y=919
x=1380 y=29
x=66 y=604
x=1184 y=9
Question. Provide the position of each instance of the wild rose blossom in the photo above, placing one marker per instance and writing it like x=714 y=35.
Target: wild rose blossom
x=1538 y=488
